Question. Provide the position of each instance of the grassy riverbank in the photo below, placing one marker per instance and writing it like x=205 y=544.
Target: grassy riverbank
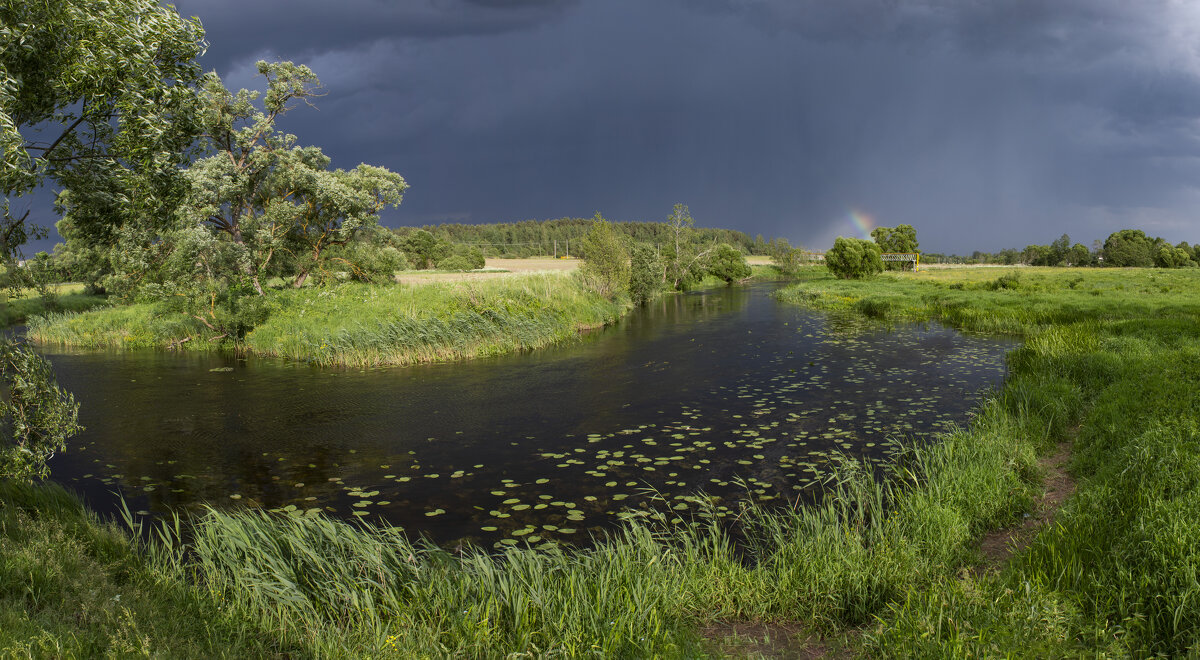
x=887 y=567
x=1112 y=362
x=366 y=325
x=68 y=297
x=72 y=587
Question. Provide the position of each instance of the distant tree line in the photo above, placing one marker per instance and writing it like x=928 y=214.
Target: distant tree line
x=564 y=236
x=1126 y=247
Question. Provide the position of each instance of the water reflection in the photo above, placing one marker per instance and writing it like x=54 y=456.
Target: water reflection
x=695 y=392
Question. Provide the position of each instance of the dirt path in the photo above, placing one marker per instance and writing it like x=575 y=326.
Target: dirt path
x=998 y=546
x=770 y=640
x=774 y=640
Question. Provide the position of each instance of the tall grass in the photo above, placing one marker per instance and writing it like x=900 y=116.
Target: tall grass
x=73 y=587
x=890 y=554
x=337 y=589
x=365 y=325
x=1111 y=358
x=64 y=298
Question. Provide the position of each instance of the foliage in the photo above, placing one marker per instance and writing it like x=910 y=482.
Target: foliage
x=788 y=259
x=1079 y=255
x=1128 y=247
x=38 y=274
x=645 y=273
x=605 y=269
x=363 y=325
x=111 y=86
x=853 y=258
x=728 y=263
x=266 y=196
x=368 y=257
x=424 y=249
x=901 y=238
x=1166 y=256
x=36 y=415
x=530 y=238
x=464 y=257
x=686 y=259
x=72 y=586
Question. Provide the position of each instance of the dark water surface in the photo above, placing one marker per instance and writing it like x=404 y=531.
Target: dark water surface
x=725 y=391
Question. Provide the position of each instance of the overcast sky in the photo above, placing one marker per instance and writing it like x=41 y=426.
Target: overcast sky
x=984 y=123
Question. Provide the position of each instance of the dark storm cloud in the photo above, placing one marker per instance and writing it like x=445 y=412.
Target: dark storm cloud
x=985 y=123
x=239 y=27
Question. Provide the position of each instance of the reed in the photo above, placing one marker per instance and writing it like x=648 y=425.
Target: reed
x=890 y=554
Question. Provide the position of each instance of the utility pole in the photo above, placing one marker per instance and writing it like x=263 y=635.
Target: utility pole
x=556 y=248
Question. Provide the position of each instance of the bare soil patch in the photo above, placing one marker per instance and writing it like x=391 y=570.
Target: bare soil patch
x=999 y=545
x=493 y=268
x=534 y=264
x=770 y=640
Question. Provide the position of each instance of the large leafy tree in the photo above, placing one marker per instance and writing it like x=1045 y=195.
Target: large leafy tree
x=686 y=259
x=901 y=238
x=270 y=201
x=1128 y=247
x=99 y=97
x=854 y=258
x=728 y=263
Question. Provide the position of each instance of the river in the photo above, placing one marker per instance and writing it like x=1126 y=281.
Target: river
x=724 y=391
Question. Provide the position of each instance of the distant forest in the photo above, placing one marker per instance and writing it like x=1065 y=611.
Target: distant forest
x=544 y=237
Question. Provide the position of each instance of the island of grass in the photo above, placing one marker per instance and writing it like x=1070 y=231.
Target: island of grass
x=364 y=325
x=424 y=317
x=888 y=565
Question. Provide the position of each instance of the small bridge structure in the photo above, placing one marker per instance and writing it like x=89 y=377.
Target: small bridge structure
x=914 y=257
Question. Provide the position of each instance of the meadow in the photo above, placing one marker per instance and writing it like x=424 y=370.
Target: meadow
x=27 y=303
x=887 y=563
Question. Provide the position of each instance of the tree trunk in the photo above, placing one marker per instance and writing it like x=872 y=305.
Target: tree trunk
x=236 y=234
x=300 y=279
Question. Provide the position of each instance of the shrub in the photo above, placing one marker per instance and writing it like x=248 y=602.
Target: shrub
x=1009 y=281
x=463 y=258
x=728 y=263
x=362 y=261
x=605 y=269
x=854 y=258
x=36 y=417
x=645 y=273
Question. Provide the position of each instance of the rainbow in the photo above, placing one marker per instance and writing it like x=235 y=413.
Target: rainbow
x=862 y=222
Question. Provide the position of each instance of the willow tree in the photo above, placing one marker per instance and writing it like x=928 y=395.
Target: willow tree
x=270 y=200
x=98 y=97
x=901 y=238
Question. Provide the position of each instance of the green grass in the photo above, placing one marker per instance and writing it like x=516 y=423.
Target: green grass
x=71 y=587
x=365 y=325
x=884 y=562
x=1112 y=360
x=27 y=304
